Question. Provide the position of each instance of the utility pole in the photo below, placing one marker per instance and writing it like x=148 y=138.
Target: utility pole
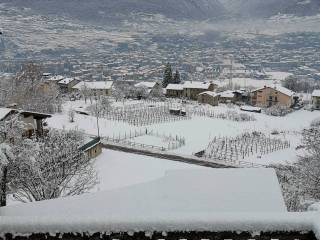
x=97 y=116
x=231 y=73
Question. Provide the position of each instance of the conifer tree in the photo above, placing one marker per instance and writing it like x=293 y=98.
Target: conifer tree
x=167 y=77
x=176 y=77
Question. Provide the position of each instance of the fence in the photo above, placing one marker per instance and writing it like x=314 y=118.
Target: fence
x=128 y=139
x=243 y=146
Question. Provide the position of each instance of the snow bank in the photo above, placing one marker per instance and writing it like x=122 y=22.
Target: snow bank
x=314 y=207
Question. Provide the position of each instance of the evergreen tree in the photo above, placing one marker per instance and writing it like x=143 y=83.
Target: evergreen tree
x=176 y=77
x=167 y=78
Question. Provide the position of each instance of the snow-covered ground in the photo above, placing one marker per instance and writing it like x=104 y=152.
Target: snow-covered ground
x=198 y=131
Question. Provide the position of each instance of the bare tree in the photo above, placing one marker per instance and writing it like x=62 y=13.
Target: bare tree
x=85 y=92
x=120 y=91
x=71 y=115
x=30 y=92
x=301 y=181
x=51 y=167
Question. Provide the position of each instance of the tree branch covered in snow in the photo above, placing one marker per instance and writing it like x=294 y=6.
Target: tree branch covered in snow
x=50 y=167
x=30 y=92
x=301 y=181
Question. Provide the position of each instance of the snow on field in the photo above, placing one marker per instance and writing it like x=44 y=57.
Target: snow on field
x=120 y=169
x=198 y=131
x=251 y=82
x=280 y=76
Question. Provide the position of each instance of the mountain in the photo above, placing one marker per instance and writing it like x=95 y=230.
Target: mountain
x=100 y=10
x=268 y=8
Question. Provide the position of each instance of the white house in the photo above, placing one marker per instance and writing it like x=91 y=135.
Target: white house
x=99 y=88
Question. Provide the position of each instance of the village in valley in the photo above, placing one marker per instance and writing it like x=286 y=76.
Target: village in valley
x=155 y=127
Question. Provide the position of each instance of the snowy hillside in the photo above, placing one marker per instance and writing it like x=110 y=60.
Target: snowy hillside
x=99 y=11
x=262 y=8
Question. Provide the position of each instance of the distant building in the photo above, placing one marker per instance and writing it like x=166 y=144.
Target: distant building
x=316 y=99
x=174 y=90
x=227 y=97
x=272 y=95
x=66 y=84
x=150 y=87
x=208 y=97
x=241 y=96
x=191 y=90
x=99 y=88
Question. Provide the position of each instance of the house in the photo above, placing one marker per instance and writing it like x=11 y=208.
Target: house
x=316 y=99
x=66 y=84
x=33 y=121
x=174 y=90
x=150 y=87
x=241 y=95
x=208 y=97
x=191 y=90
x=93 y=147
x=227 y=97
x=98 y=88
x=275 y=94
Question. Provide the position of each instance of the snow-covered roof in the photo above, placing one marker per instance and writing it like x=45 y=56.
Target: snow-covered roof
x=210 y=93
x=197 y=85
x=4 y=112
x=56 y=78
x=146 y=84
x=182 y=193
x=175 y=87
x=279 y=88
x=66 y=80
x=94 y=85
x=316 y=93
x=227 y=94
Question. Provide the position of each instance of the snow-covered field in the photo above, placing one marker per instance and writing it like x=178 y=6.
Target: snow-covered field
x=198 y=131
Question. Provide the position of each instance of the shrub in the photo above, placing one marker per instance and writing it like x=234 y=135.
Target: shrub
x=278 y=110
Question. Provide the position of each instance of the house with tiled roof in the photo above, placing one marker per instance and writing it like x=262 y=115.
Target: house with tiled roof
x=270 y=95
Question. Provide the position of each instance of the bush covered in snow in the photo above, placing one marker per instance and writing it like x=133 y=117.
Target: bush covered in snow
x=315 y=123
x=278 y=110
